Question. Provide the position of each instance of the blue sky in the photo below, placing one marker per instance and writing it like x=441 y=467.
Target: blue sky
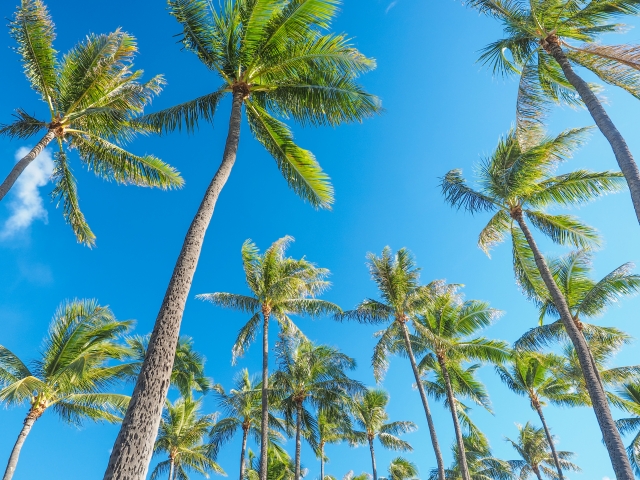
x=443 y=111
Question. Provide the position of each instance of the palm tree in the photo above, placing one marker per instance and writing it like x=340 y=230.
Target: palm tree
x=401 y=469
x=369 y=413
x=630 y=394
x=333 y=426
x=181 y=437
x=280 y=465
x=538 y=36
x=188 y=366
x=518 y=182
x=310 y=375
x=446 y=328
x=74 y=370
x=274 y=59
x=531 y=375
x=243 y=409
x=533 y=448
x=401 y=297
x=352 y=476
x=92 y=96
x=280 y=286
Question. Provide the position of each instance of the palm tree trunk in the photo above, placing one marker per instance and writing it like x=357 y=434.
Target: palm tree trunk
x=19 y=167
x=536 y=470
x=298 y=439
x=615 y=447
x=556 y=460
x=321 y=460
x=620 y=149
x=464 y=469
x=171 y=466
x=31 y=418
x=133 y=447
x=425 y=403
x=373 y=460
x=264 y=433
x=244 y=449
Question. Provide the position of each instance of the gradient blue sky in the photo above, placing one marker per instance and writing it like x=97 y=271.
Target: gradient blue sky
x=443 y=111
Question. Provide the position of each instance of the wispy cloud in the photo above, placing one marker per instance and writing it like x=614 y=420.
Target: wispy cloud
x=606 y=478
x=390 y=6
x=26 y=203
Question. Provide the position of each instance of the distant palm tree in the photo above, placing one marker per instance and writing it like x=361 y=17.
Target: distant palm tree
x=401 y=469
x=182 y=436
x=369 y=413
x=188 y=366
x=280 y=286
x=630 y=394
x=276 y=59
x=401 y=298
x=243 y=409
x=536 y=35
x=74 y=370
x=281 y=465
x=310 y=375
x=92 y=95
x=334 y=426
x=535 y=458
x=517 y=183
x=352 y=476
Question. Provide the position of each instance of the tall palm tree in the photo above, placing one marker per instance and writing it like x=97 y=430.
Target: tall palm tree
x=72 y=375
x=281 y=465
x=531 y=375
x=92 y=96
x=630 y=394
x=533 y=448
x=369 y=413
x=333 y=426
x=280 y=286
x=401 y=469
x=243 y=409
x=310 y=376
x=273 y=58
x=401 y=297
x=188 y=367
x=181 y=437
x=539 y=39
x=517 y=183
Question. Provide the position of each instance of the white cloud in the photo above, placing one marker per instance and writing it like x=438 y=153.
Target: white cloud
x=391 y=5
x=606 y=478
x=26 y=203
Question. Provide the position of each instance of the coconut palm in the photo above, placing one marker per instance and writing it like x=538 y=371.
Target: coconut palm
x=333 y=426
x=188 y=367
x=369 y=413
x=92 y=95
x=281 y=466
x=517 y=183
x=535 y=458
x=401 y=469
x=540 y=39
x=243 y=409
x=310 y=376
x=181 y=437
x=401 y=297
x=273 y=58
x=630 y=394
x=280 y=286
x=73 y=373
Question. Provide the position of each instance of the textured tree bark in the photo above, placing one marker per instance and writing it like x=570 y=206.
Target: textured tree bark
x=464 y=468
x=19 y=167
x=244 y=449
x=425 y=403
x=15 y=453
x=619 y=146
x=321 y=460
x=373 y=460
x=134 y=445
x=615 y=447
x=556 y=460
x=264 y=433
x=298 y=439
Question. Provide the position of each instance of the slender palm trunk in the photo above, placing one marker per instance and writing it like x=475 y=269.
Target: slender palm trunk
x=620 y=149
x=556 y=460
x=134 y=445
x=171 y=467
x=464 y=469
x=19 y=167
x=536 y=470
x=613 y=442
x=425 y=403
x=264 y=432
x=245 y=431
x=373 y=460
x=321 y=460
x=31 y=418
x=298 y=438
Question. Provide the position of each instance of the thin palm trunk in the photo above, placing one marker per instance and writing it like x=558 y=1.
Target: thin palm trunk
x=171 y=467
x=15 y=453
x=556 y=460
x=620 y=149
x=245 y=431
x=298 y=439
x=464 y=469
x=133 y=447
x=321 y=460
x=373 y=460
x=425 y=403
x=24 y=162
x=264 y=433
x=615 y=447
x=536 y=470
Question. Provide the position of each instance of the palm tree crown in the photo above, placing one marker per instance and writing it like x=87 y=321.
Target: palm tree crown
x=401 y=469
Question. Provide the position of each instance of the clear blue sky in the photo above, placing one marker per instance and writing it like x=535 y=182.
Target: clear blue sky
x=443 y=111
